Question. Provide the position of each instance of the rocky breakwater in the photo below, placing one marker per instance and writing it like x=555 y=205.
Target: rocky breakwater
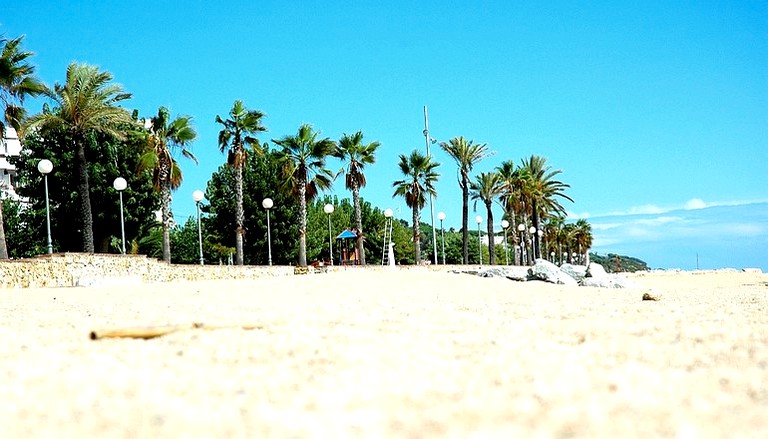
x=593 y=275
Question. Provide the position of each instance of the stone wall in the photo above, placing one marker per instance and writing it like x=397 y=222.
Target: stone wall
x=81 y=269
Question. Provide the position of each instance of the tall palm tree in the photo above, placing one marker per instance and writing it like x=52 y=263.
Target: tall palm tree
x=352 y=150
x=86 y=103
x=540 y=189
x=17 y=81
x=165 y=136
x=486 y=187
x=303 y=163
x=466 y=154
x=238 y=133
x=419 y=182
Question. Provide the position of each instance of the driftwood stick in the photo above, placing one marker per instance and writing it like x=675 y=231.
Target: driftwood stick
x=148 y=332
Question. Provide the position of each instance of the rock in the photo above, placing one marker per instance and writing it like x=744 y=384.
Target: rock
x=547 y=271
x=649 y=296
x=577 y=272
x=595 y=270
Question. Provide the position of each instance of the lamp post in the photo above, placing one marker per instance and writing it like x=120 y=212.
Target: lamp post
x=328 y=208
x=45 y=167
x=267 y=204
x=478 y=220
x=521 y=229
x=552 y=257
x=532 y=253
x=441 y=217
x=198 y=196
x=120 y=184
x=505 y=226
x=540 y=234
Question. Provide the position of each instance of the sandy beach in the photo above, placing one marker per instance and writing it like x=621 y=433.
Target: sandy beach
x=381 y=354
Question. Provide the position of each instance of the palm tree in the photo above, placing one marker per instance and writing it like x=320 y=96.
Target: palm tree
x=540 y=190
x=352 y=150
x=582 y=237
x=303 y=163
x=17 y=81
x=238 y=132
x=511 y=200
x=466 y=154
x=164 y=136
x=486 y=187
x=86 y=103
x=419 y=182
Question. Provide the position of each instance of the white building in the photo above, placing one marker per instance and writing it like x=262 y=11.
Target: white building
x=10 y=146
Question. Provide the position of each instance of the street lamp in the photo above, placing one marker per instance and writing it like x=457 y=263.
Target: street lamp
x=505 y=225
x=521 y=229
x=45 y=167
x=478 y=220
x=441 y=217
x=120 y=184
x=552 y=256
x=328 y=208
x=532 y=232
x=198 y=196
x=267 y=204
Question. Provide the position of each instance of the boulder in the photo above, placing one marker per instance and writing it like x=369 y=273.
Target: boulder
x=548 y=272
x=577 y=272
x=595 y=270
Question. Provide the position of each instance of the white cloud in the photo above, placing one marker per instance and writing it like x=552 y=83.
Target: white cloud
x=577 y=215
x=695 y=203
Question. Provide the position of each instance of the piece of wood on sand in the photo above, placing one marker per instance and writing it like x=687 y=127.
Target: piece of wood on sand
x=148 y=332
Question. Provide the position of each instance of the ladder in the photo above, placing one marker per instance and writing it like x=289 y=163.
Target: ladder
x=387 y=241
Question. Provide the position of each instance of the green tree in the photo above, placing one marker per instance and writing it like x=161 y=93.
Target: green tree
x=419 y=182
x=466 y=154
x=261 y=178
x=582 y=237
x=238 y=133
x=17 y=81
x=302 y=160
x=111 y=158
x=486 y=187
x=356 y=154
x=542 y=192
x=164 y=137
x=85 y=105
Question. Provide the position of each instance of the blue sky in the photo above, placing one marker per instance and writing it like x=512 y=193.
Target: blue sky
x=648 y=109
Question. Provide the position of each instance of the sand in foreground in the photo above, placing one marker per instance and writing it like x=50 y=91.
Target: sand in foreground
x=391 y=354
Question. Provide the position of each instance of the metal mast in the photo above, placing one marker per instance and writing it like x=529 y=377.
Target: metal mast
x=428 y=140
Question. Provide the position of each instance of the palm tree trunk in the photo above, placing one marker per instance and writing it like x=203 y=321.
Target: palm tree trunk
x=358 y=221
x=465 y=218
x=165 y=205
x=491 y=242
x=303 y=223
x=416 y=234
x=239 y=212
x=3 y=243
x=84 y=192
x=535 y=219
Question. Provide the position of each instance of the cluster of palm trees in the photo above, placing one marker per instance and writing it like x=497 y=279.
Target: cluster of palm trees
x=87 y=103
x=529 y=194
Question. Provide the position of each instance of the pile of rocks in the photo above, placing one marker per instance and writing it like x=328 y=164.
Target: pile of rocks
x=593 y=275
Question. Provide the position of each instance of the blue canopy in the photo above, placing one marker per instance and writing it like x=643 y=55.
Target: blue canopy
x=347 y=234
